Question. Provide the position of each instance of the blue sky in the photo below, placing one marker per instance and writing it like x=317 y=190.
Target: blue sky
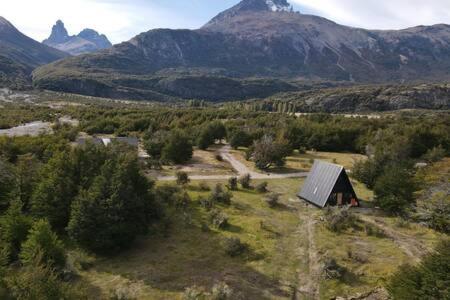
x=120 y=20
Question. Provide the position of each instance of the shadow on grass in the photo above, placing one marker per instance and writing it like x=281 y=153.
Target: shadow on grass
x=189 y=256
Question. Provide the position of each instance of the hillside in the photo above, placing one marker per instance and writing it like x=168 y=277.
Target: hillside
x=86 y=41
x=19 y=55
x=254 y=40
x=359 y=99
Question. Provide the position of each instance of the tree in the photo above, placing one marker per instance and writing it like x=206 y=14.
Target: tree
x=26 y=170
x=178 y=148
x=37 y=281
x=209 y=134
x=155 y=143
x=233 y=183
x=56 y=190
x=267 y=152
x=240 y=139
x=245 y=180
x=7 y=184
x=182 y=178
x=428 y=280
x=394 y=189
x=117 y=207
x=44 y=244
x=14 y=228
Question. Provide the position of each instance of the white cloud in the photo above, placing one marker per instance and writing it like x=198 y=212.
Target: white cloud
x=381 y=14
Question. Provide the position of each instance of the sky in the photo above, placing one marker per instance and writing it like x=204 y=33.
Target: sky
x=121 y=20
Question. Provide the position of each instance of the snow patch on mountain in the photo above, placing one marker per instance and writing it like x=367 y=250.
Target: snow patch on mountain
x=279 y=7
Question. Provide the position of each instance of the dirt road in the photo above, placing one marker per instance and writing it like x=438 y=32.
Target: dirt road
x=240 y=168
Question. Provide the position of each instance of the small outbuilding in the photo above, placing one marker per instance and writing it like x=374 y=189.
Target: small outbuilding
x=328 y=184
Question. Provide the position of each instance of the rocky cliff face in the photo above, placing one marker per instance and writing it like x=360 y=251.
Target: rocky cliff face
x=86 y=41
x=257 y=39
x=19 y=55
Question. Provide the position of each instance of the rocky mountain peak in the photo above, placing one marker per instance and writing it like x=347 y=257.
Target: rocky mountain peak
x=86 y=41
x=250 y=6
x=59 y=33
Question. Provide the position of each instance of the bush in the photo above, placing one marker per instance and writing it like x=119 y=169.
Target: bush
x=219 y=157
x=194 y=293
x=182 y=178
x=233 y=183
x=435 y=154
x=234 y=247
x=219 y=195
x=333 y=270
x=203 y=186
x=340 y=219
x=42 y=243
x=221 y=291
x=218 y=219
x=272 y=199
x=206 y=203
x=181 y=200
x=245 y=180
x=36 y=281
x=262 y=187
x=372 y=230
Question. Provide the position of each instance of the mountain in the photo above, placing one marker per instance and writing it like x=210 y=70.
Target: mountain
x=86 y=41
x=256 y=43
x=19 y=55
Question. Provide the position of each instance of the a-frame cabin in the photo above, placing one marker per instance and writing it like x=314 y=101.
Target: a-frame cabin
x=328 y=184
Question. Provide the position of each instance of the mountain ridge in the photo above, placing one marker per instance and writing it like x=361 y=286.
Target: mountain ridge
x=20 y=55
x=87 y=41
x=251 y=41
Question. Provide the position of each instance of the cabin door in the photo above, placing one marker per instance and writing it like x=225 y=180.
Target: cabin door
x=339 y=199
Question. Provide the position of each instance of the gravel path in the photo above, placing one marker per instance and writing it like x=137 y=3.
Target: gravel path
x=240 y=168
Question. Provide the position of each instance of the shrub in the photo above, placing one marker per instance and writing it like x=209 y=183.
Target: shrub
x=435 y=154
x=182 y=178
x=372 y=230
x=178 y=148
x=219 y=195
x=43 y=243
x=206 y=203
x=194 y=293
x=36 y=281
x=233 y=183
x=340 y=219
x=218 y=219
x=219 y=157
x=272 y=199
x=245 y=180
x=165 y=193
x=181 y=200
x=203 y=186
x=262 y=187
x=333 y=270
x=234 y=247
x=221 y=291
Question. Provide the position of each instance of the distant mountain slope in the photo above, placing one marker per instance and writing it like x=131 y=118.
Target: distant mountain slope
x=257 y=39
x=19 y=55
x=86 y=41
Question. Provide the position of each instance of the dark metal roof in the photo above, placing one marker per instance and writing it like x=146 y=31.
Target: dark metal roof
x=132 y=141
x=320 y=182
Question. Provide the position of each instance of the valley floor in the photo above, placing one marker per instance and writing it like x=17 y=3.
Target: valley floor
x=287 y=248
